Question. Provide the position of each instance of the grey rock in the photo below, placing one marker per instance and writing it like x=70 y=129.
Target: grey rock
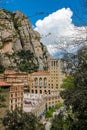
x=16 y=34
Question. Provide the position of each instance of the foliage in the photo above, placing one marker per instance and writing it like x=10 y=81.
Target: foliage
x=63 y=122
x=1 y=46
x=49 y=112
x=57 y=106
x=3 y=105
x=2 y=98
x=67 y=82
x=74 y=95
x=79 y=85
x=73 y=61
x=2 y=69
x=19 y=120
x=27 y=61
x=57 y=122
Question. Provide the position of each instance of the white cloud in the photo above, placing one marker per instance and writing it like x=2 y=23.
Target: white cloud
x=57 y=30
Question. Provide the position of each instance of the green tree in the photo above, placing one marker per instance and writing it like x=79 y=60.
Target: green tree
x=68 y=82
x=74 y=94
x=2 y=69
x=57 y=122
x=19 y=120
x=49 y=112
x=27 y=63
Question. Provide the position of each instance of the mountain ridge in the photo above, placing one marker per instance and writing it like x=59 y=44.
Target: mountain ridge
x=17 y=35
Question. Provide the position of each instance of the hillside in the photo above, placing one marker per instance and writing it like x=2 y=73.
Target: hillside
x=20 y=47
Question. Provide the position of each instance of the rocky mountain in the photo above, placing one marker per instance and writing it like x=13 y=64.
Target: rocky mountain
x=20 y=44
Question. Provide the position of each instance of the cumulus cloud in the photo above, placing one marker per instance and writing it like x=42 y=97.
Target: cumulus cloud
x=58 y=31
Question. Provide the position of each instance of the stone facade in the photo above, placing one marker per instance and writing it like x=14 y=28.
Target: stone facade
x=45 y=85
x=48 y=83
x=18 y=83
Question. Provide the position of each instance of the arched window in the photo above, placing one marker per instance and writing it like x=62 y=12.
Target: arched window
x=48 y=91
x=32 y=91
x=54 y=63
x=45 y=81
x=45 y=91
x=40 y=91
x=35 y=91
x=36 y=81
x=57 y=63
x=40 y=82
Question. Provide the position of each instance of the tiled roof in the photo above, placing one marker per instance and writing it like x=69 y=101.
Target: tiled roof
x=4 y=84
x=40 y=73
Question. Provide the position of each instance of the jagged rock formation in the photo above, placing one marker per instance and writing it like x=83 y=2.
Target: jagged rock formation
x=16 y=35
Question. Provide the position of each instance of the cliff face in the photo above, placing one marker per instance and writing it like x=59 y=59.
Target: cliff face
x=16 y=35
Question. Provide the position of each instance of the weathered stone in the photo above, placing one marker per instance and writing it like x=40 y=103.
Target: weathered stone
x=16 y=34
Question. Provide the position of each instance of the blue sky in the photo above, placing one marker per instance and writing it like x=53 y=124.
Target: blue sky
x=61 y=23
x=32 y=7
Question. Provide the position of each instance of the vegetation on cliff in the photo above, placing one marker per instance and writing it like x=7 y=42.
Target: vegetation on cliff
x=17 y=38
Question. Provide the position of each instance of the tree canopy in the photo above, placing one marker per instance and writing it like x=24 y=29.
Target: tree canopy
x=19 y=120
x=74 y=93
